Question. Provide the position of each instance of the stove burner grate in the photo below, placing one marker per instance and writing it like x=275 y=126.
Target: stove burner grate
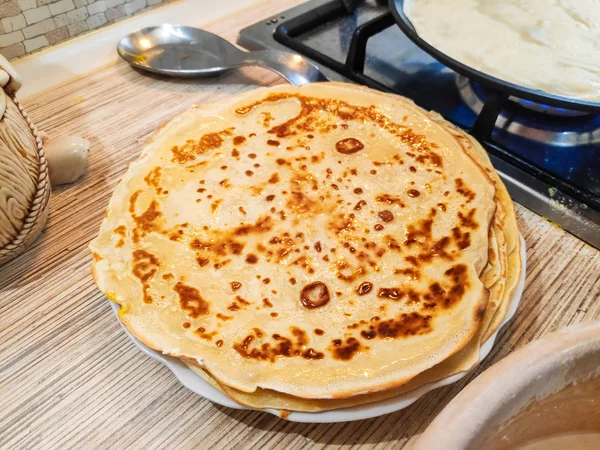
x=535 y=122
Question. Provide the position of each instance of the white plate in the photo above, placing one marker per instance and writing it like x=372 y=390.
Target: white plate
x=193 y=382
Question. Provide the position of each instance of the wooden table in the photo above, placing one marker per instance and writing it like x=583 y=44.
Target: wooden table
x=70 y=378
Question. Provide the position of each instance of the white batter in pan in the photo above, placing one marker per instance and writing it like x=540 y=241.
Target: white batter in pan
x=550 y=45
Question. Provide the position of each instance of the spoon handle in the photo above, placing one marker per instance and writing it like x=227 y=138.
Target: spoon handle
x=292 y=67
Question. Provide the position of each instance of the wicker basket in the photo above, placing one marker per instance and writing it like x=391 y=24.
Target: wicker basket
x=24 y=183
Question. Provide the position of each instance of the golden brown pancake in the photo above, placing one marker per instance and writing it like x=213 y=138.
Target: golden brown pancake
x=320 y=242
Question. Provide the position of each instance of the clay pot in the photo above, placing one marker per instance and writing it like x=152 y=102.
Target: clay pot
x=24 y=183
x=542 y=393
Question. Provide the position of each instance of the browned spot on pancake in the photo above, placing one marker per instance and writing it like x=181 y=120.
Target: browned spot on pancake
x=319 y=332
x=345 y=273
x=222 y=263
x=378 y=227
x=258 y=332
x=267 y=303
x=358 y=191
x=202 y=261
x=349 y=146
x=359 y=205
x=390 y=200
x=299 y=202
x=318 y=246
x=368 y=334
x=341 y=223
x=203 y=334
x=431 y=158
x=149 y=221
x=270 y=198
x=235 y=153
x=186 y=324
x=447 y=296
x=225 y=183
x=176 y=233
x=144 y=267
x=192 y=148
x=468 y=221
x=249 y=173
x=262 y=225
x=223 y=317
x=459 y=279
x=364 y=288
x=191 y=301
x=480 y=312
x=266 y=280
x=238 y=303
x=413 y=193
x=464 y=190
x=462 y=240
x=214 y=205
x=386 y=215
x=239 y=140
x=153 y=180
x=345 y=351
x=281 y=347
x=312 y=354
x=409 y=272
x=219 y=343
x=421 y=232
x=391 y=293
x=97 y=257
x=251 y=258
x=412 y=260
x=405 y=325
x=267 y=118
x=303 y=262
x=121 y=231
x=273 y=143
x=235 y=285
x=257 y=189
x=274 y=178
x=292 y=281
x=314 y=295
x=168 y=276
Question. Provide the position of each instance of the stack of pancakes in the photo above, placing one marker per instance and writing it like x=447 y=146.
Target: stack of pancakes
x=311 y=248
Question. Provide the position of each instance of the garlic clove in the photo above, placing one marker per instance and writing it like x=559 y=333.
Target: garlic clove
x=67 y=158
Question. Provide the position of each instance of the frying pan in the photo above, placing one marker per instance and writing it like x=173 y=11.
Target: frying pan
x=521 y=92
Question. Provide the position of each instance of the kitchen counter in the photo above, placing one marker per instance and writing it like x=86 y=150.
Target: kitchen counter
x=69 y=376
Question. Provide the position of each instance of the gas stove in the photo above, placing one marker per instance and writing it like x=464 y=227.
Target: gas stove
x=548 y=157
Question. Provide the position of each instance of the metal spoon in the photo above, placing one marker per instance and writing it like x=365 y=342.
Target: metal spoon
x=182 y=51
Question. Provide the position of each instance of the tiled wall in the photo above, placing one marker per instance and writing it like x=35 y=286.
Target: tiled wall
x=30 y=25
